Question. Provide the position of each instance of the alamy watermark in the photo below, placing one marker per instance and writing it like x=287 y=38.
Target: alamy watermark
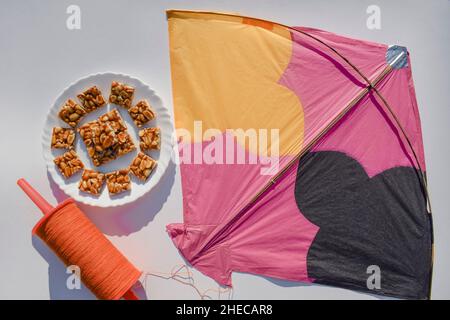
x=73 y=21
x=232 y=146
x=373 y=21
x=74 y=280
x=374 y=280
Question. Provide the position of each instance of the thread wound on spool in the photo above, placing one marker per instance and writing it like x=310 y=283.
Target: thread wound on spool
x=77 y=241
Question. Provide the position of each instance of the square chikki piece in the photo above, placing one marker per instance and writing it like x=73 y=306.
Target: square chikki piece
x=91 y=99
x=91 y=181
x=141 y=113
x=100 y=141
x=68 y=163
x=118 y=181
x=142 y=166
x=125 y=143
x=150 y=139
x=71 y=113
x=62 y=138
x=121 y=94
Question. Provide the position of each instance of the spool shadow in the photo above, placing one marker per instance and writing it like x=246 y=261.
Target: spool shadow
x=129 y=218
x=57 y=276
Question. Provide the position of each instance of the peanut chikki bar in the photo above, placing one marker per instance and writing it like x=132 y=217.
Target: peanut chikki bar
x=62 y=138
x=71 y=113
x=121 y=94
x=91 y=99
x=100 y=140
x=118 y=181
x=150 y=139
x=91 y=181
x=68 y=163
x=142 y=166
x=125 y=143
x=141 y=113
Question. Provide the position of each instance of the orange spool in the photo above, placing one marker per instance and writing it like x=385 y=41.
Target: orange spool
x=77 y=241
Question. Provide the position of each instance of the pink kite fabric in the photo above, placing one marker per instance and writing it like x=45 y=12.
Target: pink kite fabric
x=354 y=200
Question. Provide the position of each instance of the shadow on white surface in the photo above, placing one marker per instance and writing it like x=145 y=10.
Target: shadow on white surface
x=129 y=218
x=57 y=276
x=288 y=284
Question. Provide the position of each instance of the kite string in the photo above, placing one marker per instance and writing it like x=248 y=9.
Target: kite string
x=183 y=274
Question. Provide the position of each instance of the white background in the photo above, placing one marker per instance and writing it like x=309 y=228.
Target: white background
x=39 y=57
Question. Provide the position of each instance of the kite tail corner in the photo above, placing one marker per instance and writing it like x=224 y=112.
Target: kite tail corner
x=178 y=234
x=214 y=263
x=175 y=229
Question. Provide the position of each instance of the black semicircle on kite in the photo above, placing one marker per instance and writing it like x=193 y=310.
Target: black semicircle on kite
x=379 y=221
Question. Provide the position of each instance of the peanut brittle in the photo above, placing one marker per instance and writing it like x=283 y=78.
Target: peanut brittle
x=118 y=181
x=141 y=113
x=91 y=99
x=91 y=181
x=100 y=140
x=71 y=113
x=125 y=143
x=68 y=163
x=150 y=139
x=121 y=94
x=142 y=166
x=62 y=138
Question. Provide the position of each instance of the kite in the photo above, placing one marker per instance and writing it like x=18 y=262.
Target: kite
x=335 y=190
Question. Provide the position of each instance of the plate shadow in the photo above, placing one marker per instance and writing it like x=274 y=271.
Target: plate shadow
x=131 y=217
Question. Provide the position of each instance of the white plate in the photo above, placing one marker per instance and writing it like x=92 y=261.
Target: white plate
x=138 y=189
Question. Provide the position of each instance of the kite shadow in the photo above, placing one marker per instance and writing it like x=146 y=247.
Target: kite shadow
x=291 y=284
x=286 y=283
x=129 y=218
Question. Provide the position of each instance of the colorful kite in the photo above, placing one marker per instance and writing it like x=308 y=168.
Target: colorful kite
x=335 y=190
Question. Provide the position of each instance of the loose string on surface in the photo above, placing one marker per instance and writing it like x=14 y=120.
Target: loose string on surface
x=183 y=274
x=105 y=271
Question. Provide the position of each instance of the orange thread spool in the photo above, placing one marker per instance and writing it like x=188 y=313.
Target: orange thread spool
x=77 y=241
